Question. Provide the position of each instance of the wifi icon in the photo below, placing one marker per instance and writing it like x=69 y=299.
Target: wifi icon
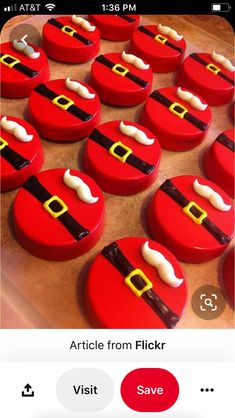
x=50 y=6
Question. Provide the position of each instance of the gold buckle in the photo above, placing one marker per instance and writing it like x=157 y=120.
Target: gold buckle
x=71 y=31
x=122 y=71
x=55 y=198
x=160 y=39
x=120 y=144
x=129 y=283
x=213 y=68
x=63 y=106
x=180 y=113
x=11 y=64
x=197 y=220
x=3 y=143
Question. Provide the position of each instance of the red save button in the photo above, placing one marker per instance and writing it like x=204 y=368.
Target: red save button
x=149 y=390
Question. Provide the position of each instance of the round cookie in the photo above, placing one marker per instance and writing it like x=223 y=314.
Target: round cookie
x=20 y=73
x=218 y=162
x=204 y=75
x=64 y=110
x=135 y=283
x=162 y=47
x=59 y=214
x=178 y=118
x=116 y=27
x=70 y=39
x=195 y=222
x=228 y=277
x=21 y=152
x=122 y=156
x=118 y=81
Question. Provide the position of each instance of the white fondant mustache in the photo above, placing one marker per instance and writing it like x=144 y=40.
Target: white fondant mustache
x=224 y=62
x=191 y=99
x=82 y=189
x=166 y=30
x=22 y=46
x=81 y=90
x=164 y=268
x=135 y=133
x=214 y=198
x=136 y=61
x=18 y=131
x=83 y=23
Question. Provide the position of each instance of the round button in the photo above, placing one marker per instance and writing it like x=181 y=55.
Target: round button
x=149 y=390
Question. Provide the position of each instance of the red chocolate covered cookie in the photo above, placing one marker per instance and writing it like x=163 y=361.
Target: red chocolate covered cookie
x=192 y=217
x=116 y=27
x=64 y=110
x=162 y=47
x=59 y=214
x=121 y=79
x=135 y=283
x=23 y=67
x=70 y=39
x=21 y=152
x=177 y=117
x=218 y=162
x=228 y=277
x=123 y=157
x=210 y=75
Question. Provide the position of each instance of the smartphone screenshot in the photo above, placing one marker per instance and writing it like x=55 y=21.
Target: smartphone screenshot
x=117 y=209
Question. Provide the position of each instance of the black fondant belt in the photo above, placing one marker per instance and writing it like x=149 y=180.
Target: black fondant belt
x=63 y=102
x=212 y=68
x=127 y=18
x=120 y=70
x=68 y=30
x=55 y=207
x=13 y=62
x=194 y=212
x=227 y=142
x=160 y=38
x=139 y=284
x=178 y=110
x=13 y=158
x=121 y=152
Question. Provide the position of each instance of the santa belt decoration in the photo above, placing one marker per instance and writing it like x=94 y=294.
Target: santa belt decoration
x=139 y=284
x=194 y=212
x=178 y=110
x=13 y=62
x=227 y=142
x=212 y=68
x=121 y=152
x=159 y=38
x=56 y=208
x=63 y=102
x=68 y=30
x=11 y=156
x=120 y=70
x=127 y=18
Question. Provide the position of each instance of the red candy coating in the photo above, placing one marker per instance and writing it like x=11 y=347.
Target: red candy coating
x=115 y=27
x=218 y=164
x=228 y=277
x=11 y=178
x=110 y=303
x=45 y=236
x=15 y=84
x=189 y=241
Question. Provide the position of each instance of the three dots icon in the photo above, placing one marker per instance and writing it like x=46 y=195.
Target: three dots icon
x=207 y=390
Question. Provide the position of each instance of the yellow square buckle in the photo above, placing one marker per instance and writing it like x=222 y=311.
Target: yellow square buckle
x=213 y=68
x=120 y=144
x=3 y=143
x=160 y=39
x=128 y=282
x=68 y=30
x=62 y=102
x=197 y=219
x=9 y=60
x=55 y=214
x=178 y=109
x=119 y=69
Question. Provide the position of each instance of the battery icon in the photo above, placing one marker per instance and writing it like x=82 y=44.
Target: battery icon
x=220 y=7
